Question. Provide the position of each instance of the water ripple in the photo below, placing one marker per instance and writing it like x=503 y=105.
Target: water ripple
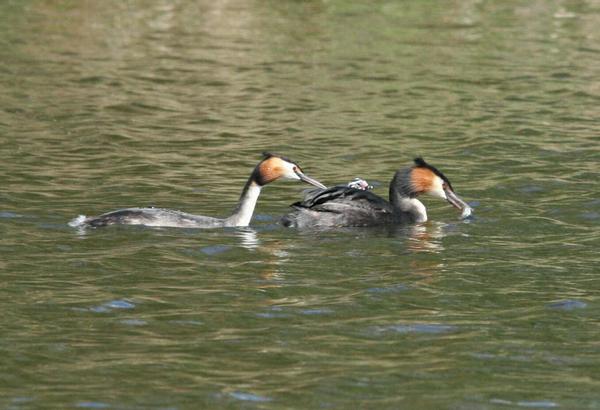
x=244 y=396
x=171 y=104
x=112 y=305
x=418 y=328
x=567 y=305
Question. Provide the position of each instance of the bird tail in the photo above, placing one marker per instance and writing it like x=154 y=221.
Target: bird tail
x=77 y=222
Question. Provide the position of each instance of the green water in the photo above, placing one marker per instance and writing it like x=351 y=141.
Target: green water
x=110 y=104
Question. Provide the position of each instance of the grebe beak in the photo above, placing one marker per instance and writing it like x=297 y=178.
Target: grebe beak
x=458 y=203
x=308 y=179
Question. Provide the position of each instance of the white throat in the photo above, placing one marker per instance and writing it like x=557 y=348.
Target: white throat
x=245 y=208
x=415 y=208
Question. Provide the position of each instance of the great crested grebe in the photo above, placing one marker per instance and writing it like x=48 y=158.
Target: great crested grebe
x=270 y=168
x=348 y=206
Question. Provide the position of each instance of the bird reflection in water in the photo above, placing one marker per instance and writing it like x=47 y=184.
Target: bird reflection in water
x=273 y=254
x=426 y=238
x=248 y=238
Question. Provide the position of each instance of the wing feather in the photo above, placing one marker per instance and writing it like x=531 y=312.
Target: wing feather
x=340 y=206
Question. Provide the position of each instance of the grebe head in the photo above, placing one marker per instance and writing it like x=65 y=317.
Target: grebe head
x=273 y=167
x=423 y=178
x=428 y=179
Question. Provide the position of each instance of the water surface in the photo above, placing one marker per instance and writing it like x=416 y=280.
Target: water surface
x=113 y=104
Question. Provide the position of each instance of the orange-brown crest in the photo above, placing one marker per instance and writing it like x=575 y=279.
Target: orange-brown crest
x=422 y=179
x=271 y=169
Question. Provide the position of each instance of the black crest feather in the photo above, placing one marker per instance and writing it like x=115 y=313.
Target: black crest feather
x=267 y=155
x=420 y=163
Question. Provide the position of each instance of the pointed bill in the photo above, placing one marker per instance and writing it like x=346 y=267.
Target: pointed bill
x=309 y=180
x=459 y=203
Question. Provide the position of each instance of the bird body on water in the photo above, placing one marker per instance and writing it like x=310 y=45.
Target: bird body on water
x=342 y=205
x=269 y=169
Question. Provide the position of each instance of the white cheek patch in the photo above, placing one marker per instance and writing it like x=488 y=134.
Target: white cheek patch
x=288 y=170
x=437 y=188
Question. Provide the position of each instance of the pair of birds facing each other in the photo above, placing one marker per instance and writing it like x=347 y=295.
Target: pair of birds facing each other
x=343 y=205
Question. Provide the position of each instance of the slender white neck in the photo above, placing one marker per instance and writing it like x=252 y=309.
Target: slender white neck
x=243 y=213
x=414 y=207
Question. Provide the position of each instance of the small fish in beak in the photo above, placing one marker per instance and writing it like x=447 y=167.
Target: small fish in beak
x=456 y=202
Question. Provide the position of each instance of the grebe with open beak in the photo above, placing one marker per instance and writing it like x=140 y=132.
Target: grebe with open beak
x=269 y=169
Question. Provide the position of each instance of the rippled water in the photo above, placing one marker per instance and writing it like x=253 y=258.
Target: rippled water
x=170 y=103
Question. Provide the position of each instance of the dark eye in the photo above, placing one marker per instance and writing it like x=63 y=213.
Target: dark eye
x=296 y=169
